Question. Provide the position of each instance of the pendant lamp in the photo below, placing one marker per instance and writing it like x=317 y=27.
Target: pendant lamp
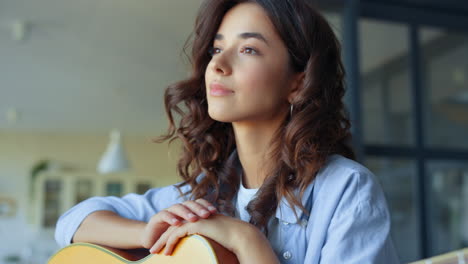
x=114 y=159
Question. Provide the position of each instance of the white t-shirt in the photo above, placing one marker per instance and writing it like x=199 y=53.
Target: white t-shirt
x=244 y=196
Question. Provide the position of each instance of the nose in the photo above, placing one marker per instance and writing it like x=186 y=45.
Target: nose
x=221 y=64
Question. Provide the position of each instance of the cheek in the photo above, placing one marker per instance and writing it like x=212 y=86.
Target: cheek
x=263 y=79
x=256 y=77
x=207 y=74
x=209 y=77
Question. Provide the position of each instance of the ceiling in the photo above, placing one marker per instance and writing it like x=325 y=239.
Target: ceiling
x=90 y=66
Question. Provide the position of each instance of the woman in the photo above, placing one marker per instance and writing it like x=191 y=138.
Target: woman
x=266 y=166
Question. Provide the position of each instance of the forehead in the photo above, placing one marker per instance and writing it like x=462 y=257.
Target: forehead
x=247 y=17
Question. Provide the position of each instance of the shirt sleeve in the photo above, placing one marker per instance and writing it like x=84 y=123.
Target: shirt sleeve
x=359 y=232
x=132 y=206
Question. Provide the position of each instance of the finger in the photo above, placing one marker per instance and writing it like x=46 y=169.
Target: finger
x=197 y=208
x=160 y=242
x=159 y=224
x=183 y=211
x=172 y=241
x=170 y=218
x=157 y=246
x=207 y=204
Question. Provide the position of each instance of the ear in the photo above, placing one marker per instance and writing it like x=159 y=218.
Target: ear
x=297 y=85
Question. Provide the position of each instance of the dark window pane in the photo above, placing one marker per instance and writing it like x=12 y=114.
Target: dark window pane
x=52 y=202
x=386 y=96
x=397 y=177
x=445 y=62
x=449 y=205
x=142 y=187
x=84 y=190
x=114 y=188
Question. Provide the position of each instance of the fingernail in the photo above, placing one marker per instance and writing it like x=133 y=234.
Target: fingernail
x=211 y=208
x=174 y=221
x=153 y=251
x=191 y=215
x=204 y=212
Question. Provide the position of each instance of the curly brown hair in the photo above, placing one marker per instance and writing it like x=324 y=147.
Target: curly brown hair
x=317 y=128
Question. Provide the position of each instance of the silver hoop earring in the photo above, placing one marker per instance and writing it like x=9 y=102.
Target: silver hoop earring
x=291 y=109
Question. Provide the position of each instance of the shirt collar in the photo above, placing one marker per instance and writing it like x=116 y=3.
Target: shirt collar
x=285 y=212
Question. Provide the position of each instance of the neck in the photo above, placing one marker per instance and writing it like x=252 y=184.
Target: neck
x=253 y=142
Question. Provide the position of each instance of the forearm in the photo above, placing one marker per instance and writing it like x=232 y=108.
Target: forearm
x=253 y=247
x=109 y=229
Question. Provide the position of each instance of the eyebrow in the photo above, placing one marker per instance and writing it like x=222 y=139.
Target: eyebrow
x=245 y=35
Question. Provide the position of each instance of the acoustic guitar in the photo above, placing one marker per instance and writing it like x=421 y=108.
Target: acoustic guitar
x=191 y=249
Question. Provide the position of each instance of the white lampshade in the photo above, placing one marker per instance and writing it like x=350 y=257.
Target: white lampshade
x=114 y=159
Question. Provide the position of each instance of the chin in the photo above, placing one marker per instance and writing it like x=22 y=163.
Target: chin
x=221 y=117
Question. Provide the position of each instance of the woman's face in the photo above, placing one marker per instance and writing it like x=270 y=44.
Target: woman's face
x=248 y=78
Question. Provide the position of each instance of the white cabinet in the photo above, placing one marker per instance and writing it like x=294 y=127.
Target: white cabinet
x=55 y=192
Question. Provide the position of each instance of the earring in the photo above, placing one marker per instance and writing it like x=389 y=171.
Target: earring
x=291 y=109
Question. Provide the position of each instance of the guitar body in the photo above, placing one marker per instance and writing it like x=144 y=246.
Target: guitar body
x=191 y=249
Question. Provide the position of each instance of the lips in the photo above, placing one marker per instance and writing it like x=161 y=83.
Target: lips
x=218 y=89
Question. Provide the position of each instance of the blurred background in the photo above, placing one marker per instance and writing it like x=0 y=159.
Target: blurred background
x=81 y=86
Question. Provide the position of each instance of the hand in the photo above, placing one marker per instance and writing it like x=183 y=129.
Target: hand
x=220 y=228
x=241 y=238
x=176 y=215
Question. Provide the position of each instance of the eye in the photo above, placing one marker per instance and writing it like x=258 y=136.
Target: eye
x=214 y=50
x=249 y=50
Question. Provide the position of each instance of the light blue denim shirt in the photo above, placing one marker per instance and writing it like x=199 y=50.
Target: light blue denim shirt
x=349 y=220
